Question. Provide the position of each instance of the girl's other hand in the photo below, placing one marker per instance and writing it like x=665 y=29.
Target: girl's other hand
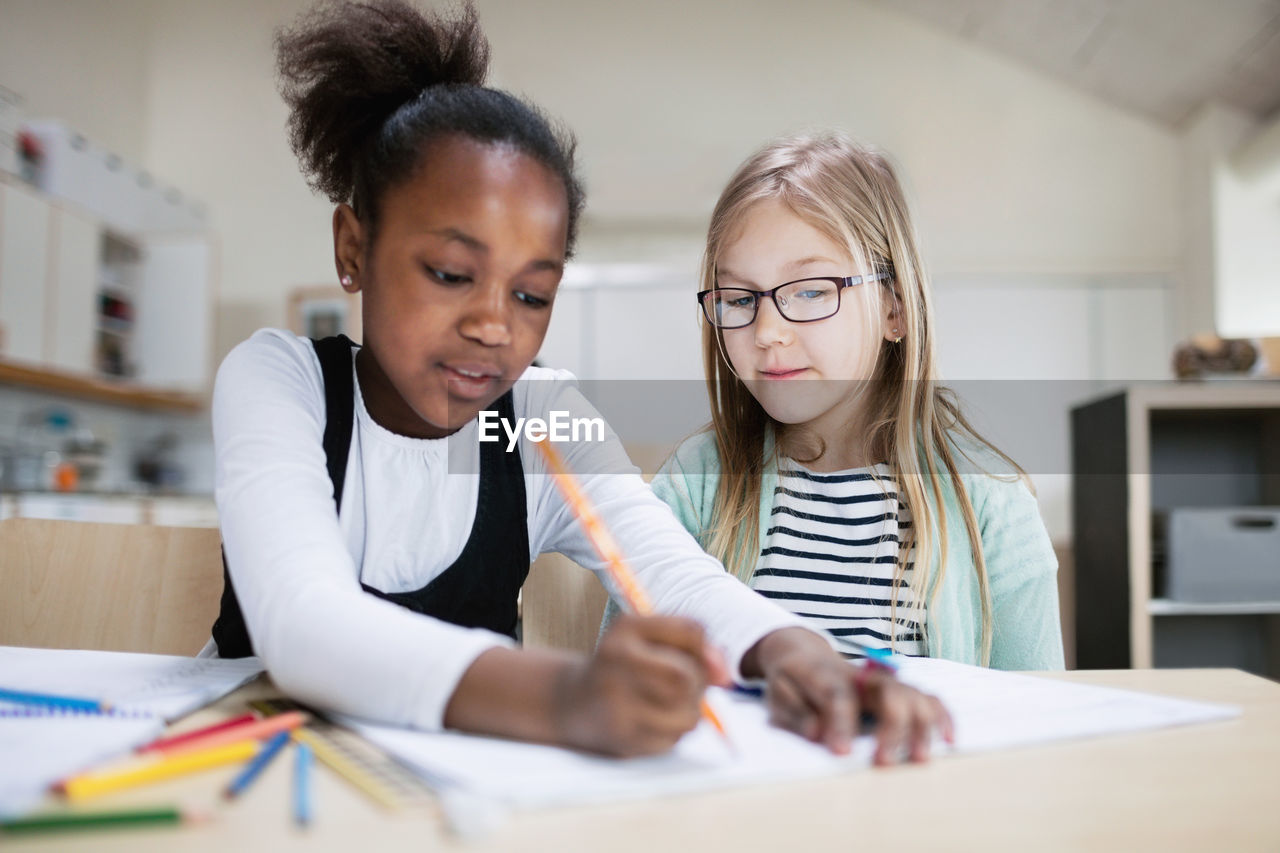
x=641 y=691
x=815 y=693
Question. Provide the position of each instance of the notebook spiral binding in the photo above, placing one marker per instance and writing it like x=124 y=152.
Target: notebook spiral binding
x=18 y=711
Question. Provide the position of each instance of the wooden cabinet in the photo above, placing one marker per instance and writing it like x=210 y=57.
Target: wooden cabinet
x=1136 y=457
x=173 y=332
x=73 y=295
x=25 y=226
x=79 y=299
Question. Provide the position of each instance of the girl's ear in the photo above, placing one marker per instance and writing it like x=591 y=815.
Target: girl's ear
x=348 y=247
x=894 y=321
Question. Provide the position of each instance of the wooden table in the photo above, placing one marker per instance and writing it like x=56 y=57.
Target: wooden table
x=1205 y=787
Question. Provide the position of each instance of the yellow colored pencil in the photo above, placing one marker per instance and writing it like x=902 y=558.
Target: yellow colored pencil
x=347 y=769
x=608 y=550
x=154 y=770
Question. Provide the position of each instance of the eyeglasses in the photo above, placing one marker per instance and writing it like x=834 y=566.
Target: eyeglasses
x=802 y=301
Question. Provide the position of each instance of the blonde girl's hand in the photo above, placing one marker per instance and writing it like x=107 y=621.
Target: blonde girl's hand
x=815 y=693
x=641 y=691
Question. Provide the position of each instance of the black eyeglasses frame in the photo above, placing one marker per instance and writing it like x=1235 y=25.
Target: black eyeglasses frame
x=841 y=283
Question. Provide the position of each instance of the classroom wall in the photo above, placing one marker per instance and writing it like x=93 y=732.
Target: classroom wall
x=1011 y=172
x=1247 y=237
x=85 y=60
x=1051 y=221
x=1232 y=229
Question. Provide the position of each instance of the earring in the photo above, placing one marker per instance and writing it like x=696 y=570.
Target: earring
x=346 y=281
x=898 y=336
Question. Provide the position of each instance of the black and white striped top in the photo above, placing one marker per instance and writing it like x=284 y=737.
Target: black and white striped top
x=830 y=556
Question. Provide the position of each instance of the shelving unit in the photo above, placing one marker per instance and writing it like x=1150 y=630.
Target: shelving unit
x=1137 y=455
x=91 y=304
x=118 y=273
x=120 y=393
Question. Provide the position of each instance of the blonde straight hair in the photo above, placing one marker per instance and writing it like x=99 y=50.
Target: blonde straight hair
x=851 y=194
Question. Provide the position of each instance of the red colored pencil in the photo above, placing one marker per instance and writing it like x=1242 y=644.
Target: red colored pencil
x=255 y=730
x=177 y=740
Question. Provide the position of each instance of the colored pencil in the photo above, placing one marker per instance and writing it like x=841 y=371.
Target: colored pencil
x=70 y=703
x=254 y=768
x=341 y=763
x=881 y=659
x=156 y=769
x=607 y=549
x=161 y=744
x=302 y=786
x=63 y=821
x=255 y=730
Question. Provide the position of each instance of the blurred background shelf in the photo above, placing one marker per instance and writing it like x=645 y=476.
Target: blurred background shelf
x=158 y=510
x=102 y=390
x=1164 y=607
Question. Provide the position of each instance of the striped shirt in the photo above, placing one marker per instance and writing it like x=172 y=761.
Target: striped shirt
x=830 y=554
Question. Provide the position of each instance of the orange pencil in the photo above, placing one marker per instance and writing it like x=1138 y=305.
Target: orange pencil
x=609 y=551
x=255 y=730
x=164 y=743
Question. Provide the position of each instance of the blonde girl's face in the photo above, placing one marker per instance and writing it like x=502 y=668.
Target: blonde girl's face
x=773 y=354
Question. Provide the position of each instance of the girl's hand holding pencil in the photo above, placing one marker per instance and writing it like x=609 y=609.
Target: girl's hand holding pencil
x=815 y=693
x=643 y=688
x=646 y=651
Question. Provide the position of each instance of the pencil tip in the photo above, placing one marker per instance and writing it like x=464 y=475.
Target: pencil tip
x=197 y=816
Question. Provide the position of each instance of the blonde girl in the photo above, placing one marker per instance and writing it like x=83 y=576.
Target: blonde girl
x=837 y=477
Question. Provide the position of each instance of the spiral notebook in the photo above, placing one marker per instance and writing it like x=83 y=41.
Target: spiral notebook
x=41 y=746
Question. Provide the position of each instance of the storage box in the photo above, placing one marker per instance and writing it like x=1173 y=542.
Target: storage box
x=1225 y=554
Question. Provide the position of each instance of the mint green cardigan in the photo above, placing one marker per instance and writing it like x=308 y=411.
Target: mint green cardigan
x=1021 y=565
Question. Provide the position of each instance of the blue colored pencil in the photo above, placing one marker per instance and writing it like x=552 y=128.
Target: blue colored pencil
x=255 y=765
x=302 y=786
x=881 y=658
x=71 y=703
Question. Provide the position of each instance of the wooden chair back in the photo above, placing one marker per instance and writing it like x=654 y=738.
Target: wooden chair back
x=561 y=605
x=117 y=587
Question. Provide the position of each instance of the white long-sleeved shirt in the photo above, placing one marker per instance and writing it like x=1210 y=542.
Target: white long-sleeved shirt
x=407 y=509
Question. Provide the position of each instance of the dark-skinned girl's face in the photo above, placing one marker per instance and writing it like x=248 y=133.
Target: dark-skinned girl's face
x=457 y=284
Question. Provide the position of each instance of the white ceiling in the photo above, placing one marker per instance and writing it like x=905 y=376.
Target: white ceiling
x=1160 y=58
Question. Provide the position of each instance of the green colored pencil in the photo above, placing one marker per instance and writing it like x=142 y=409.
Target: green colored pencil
x=69 y=820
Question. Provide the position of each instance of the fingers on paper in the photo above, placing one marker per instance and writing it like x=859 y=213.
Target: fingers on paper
x=790 y=709
x=905 y=719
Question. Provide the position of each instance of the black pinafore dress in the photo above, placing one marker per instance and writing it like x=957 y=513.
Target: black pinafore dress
x=480 y=588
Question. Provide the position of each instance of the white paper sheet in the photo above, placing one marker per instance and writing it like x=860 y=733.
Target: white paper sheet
x=40 y=746
x=992 y=710
x=998 y=710
x=167 y=686
x=39 y=751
